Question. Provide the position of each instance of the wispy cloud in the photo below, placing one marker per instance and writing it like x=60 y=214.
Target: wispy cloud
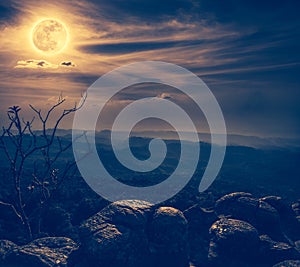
x=42 y=64
x=35 y=64
x=67 y=64
x=244 y=50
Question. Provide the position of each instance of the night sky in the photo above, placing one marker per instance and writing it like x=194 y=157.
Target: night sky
x=247 y=52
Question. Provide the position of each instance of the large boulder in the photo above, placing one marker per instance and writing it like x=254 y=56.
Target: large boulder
x=227 y=202
x=272 y=252
x=289 y=223
x=128 y=213
x=116 y=245
x=233 y=243
x=260 y=214
x=43 y=252
x=167 y=234
x=288 y=263
x=116 y=235
x=131 y=234
x=199 y=221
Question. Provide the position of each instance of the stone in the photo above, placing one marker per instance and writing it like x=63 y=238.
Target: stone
x=288 y=263
x=199 y=218
x=6 y=248
x=229 y=199
x=168 y=238
x=260 y=214
x=43 y=252
x=116 y=235
x=272 y=252
x=232 y=241
x=129 y=213
x=289 y=223
x=116 y=245
x=199 y=221
x=132 y=234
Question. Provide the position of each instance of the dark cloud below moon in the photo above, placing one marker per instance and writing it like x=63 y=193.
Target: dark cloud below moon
x=42 y=64
x=67 y=64
x=35 y=64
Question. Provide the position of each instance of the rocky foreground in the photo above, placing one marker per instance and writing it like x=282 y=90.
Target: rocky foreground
x=240 y=231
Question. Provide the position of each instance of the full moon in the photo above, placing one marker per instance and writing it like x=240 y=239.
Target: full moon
x=49 y=36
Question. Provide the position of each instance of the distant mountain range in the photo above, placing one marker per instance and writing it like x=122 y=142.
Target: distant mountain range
x=258 y=165
x=232 y=139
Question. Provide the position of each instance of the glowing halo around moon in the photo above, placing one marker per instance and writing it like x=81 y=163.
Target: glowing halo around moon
x=49 y=36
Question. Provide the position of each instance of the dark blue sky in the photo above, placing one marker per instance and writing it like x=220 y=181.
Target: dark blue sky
x=246 y=51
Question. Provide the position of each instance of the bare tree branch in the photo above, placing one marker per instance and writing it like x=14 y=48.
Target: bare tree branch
x=20 y=142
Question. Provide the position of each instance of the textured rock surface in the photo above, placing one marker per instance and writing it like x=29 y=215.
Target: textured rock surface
x=239 y=230
x=289 y=223
x=44 y=252
x=132 y=233
x=288 y=263
x=259 y=213
x=130 y=213
x=273 y=252
x=168 y=230
x=116 y=236
x=199 y=221
x=232 y=241
x=6 y=248
x=167 y=234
